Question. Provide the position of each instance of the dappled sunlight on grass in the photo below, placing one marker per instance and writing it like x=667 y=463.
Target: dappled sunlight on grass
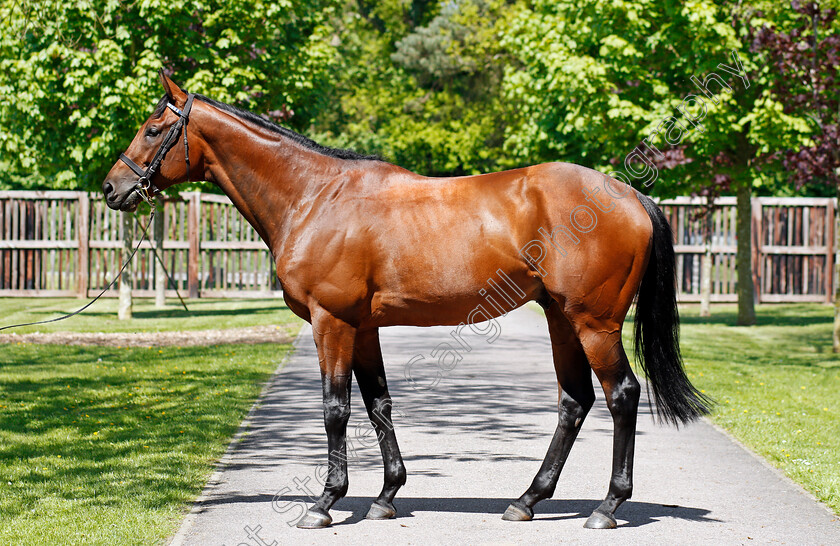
x=108 y=445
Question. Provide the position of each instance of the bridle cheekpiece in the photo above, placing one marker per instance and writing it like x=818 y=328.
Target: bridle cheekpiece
x=144 y=186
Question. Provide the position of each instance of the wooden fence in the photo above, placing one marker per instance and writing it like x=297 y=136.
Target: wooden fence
x=57 y=243
x=792 y=251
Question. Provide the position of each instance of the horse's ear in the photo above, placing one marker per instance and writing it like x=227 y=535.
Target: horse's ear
x=172 y=90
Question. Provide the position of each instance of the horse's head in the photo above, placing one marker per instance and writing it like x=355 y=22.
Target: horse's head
x=158 y=157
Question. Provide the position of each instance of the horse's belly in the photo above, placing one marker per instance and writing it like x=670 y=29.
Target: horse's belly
x=500 y=293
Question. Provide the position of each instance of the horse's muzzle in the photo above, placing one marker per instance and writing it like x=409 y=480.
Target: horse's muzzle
x=125 y=201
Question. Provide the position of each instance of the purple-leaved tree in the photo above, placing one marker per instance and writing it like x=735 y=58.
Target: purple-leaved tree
x=807 y=60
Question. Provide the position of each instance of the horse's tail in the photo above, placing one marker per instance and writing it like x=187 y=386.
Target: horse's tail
x=657 y=329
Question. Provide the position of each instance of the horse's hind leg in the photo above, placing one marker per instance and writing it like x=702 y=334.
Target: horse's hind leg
x=602 y=344
x=574 y=380
x=370 y=375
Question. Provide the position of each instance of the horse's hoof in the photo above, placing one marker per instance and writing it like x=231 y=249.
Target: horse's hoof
x=600 y=520
x=381 y=510
x=518 y=512
x=314 y=520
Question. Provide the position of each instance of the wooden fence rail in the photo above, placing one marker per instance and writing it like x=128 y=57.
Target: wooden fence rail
x=60 y=243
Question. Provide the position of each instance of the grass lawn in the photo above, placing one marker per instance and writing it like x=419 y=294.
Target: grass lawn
x=108 y=445
x=777 y=385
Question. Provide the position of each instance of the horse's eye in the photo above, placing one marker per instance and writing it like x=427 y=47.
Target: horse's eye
x=152 y=132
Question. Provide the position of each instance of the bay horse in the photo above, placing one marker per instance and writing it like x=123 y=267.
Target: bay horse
x=361 y=244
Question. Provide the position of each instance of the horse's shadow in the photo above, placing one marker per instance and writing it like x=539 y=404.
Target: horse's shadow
x=631 y=514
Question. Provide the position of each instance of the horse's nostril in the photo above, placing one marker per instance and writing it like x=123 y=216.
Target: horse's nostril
x=107 y=188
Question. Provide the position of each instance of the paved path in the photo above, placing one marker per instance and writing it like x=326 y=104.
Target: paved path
x=472 y=444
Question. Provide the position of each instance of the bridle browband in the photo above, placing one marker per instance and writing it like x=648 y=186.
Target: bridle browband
x=144 y=186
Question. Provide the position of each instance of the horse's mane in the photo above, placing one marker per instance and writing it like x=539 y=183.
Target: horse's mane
x=338 y=153
x=161 y=107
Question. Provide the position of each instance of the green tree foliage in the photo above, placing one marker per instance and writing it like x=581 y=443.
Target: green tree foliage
x=593 y=78
x=439 y=87
x=471 y=86
x=659 y=91
x=419 y=84
x=78 y=76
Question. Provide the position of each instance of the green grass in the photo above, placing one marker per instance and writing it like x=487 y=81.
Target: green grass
x=102 y=315
x=777 y=385
x=102 y=445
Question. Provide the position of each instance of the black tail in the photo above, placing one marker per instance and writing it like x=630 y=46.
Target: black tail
x=658 y=329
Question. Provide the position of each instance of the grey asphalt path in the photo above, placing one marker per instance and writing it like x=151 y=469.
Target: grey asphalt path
x=471 y=445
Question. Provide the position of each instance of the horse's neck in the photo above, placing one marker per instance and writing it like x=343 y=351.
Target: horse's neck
x=266 y=175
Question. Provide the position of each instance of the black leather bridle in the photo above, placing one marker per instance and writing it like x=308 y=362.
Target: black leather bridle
x=144 y=185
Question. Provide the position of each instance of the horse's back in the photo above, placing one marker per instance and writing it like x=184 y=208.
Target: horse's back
x=577 y=214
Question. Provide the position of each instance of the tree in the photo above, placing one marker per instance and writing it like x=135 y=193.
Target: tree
x=79 y=77
x=419 y=85
x=126 y=303
x=601 y=83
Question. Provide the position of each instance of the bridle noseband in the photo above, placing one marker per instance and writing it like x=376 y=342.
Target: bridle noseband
x=144 y=186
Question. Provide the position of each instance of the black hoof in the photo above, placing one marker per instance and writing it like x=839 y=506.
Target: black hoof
x=600 y=520
x=518 y=512
x=314 y=520
x=381 y=510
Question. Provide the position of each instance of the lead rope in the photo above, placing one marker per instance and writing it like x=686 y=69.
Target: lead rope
x=111 y=284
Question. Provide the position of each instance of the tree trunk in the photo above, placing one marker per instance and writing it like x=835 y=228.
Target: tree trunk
x=746 y=289
x=160 y=275
x=124 y=310
x=706 y=265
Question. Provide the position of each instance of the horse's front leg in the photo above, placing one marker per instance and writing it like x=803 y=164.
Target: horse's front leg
x=334 y=339
x=370 y=375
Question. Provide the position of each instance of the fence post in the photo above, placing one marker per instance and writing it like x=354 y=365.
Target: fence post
x=83 y=237
x=192 y=227
x=830 y=228
x=160 y=276
x=125 y=303
x=757 y=238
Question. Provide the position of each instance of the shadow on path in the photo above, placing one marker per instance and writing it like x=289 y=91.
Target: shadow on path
x=631 y=513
